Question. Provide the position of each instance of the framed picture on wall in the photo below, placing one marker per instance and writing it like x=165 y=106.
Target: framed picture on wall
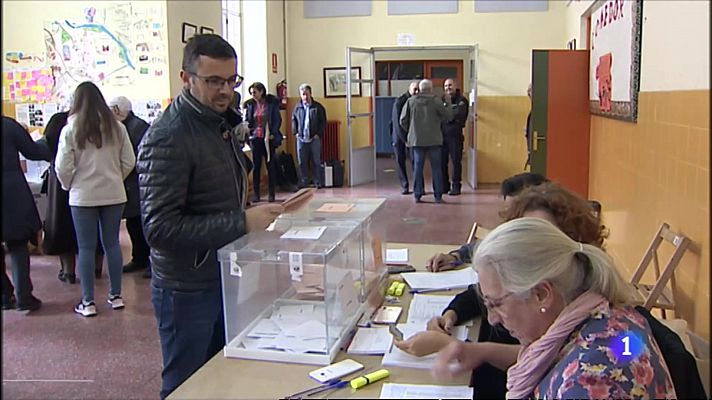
x=189 y=30
x=335 y=82
x=614 y=63
x=205 y=30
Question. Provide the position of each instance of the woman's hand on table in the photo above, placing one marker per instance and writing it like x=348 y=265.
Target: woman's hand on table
x=443 y=323
x=424 y=343
x=441 y=262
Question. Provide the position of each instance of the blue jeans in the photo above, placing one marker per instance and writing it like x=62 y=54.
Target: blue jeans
x=85 y=224
x=435 y=155
x=309 y=151
x=191 y=329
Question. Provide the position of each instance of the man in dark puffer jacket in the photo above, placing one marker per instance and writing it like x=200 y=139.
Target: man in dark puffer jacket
x=193 y=187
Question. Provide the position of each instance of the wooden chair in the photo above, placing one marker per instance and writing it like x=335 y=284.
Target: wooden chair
x=471 y=238
x=659 y=294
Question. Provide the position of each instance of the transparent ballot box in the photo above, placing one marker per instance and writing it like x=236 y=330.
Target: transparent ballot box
x=292 y=294
x=361 y=211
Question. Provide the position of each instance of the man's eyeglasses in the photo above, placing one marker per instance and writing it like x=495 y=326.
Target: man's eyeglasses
x=492 y=304
x=217 y=83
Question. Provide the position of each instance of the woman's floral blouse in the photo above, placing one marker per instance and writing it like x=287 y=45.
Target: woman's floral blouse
x=592 y=365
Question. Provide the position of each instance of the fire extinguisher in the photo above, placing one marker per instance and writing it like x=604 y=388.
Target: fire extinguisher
x=282 y=94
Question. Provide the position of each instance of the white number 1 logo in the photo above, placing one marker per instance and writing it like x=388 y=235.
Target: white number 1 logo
x=626 y=351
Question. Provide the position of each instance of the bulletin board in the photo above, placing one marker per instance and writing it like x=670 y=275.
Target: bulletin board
x=614 y=64
x=120 y=46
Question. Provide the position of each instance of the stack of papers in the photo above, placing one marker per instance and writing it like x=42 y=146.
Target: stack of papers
x=371 y=341
x=441 y=280
x=291 y=328
x=400 y=391
x=425 y=306
x=398 y=358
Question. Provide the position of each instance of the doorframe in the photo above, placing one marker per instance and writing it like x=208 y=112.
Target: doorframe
x=370 y=151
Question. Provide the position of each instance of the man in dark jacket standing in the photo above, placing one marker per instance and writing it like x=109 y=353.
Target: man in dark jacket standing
x=453 y=138
x=20 y=219
x=121 y=107
x=193 y=189
x=399 y=136
x=308 y=124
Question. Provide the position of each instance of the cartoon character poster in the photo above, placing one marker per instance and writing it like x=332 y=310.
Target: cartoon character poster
x=615 y=44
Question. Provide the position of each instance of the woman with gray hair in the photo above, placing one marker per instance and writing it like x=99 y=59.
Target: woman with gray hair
x=567 y=305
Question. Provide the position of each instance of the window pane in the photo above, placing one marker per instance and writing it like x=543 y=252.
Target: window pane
x=383 y=88
x=409 y=71
x=444 y=72
x=382 y=71
x=399 y=87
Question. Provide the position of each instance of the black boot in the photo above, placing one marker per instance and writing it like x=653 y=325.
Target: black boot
x=455 y=190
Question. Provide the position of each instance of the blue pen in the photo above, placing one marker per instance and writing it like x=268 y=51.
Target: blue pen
x=436 y=290
x=333 y=384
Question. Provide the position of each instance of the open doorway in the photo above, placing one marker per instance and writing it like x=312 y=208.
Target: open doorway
x=394 y=77
x=362 y=137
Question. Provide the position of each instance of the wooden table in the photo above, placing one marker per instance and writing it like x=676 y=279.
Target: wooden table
x=233 y=378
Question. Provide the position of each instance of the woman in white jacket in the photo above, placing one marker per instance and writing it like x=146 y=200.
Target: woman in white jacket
x=93 y=159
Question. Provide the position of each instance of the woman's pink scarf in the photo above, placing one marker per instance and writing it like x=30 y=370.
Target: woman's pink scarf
x=534 y=360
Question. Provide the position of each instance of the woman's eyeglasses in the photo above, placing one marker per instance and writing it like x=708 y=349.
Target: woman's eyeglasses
x=492 y=304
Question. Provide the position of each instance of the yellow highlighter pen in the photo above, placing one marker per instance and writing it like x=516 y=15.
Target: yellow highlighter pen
x=369 y=378
x=400 y=289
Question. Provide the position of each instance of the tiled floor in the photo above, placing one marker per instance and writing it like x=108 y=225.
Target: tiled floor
x=54 y=353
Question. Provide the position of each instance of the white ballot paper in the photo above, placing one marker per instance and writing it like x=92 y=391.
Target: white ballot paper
x=304 y=232
x=441 y=280
x=425 y=306
x=397 y=256
x=371 y=341
x=399 y=358
x=402 y=391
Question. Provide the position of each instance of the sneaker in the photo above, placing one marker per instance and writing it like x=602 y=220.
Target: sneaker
x=116 y=301
x=405 y=191
x=85 y=309
x=439 y=200
x=32 y=305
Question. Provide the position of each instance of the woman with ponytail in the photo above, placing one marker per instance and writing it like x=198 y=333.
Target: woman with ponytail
x=568 y=307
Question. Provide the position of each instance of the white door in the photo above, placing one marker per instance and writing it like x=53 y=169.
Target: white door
x=360 y=119
x=472 y=95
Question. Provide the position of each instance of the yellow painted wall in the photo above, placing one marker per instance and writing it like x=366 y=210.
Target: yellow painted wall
x=657 y=170
x=199 y=13
x=275 y=44
x=501 y=145
x=22 y=30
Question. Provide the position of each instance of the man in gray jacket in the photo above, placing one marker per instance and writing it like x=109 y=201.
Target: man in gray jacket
x=421 y=118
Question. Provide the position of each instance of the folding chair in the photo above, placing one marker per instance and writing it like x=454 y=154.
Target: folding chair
x=659 y=294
